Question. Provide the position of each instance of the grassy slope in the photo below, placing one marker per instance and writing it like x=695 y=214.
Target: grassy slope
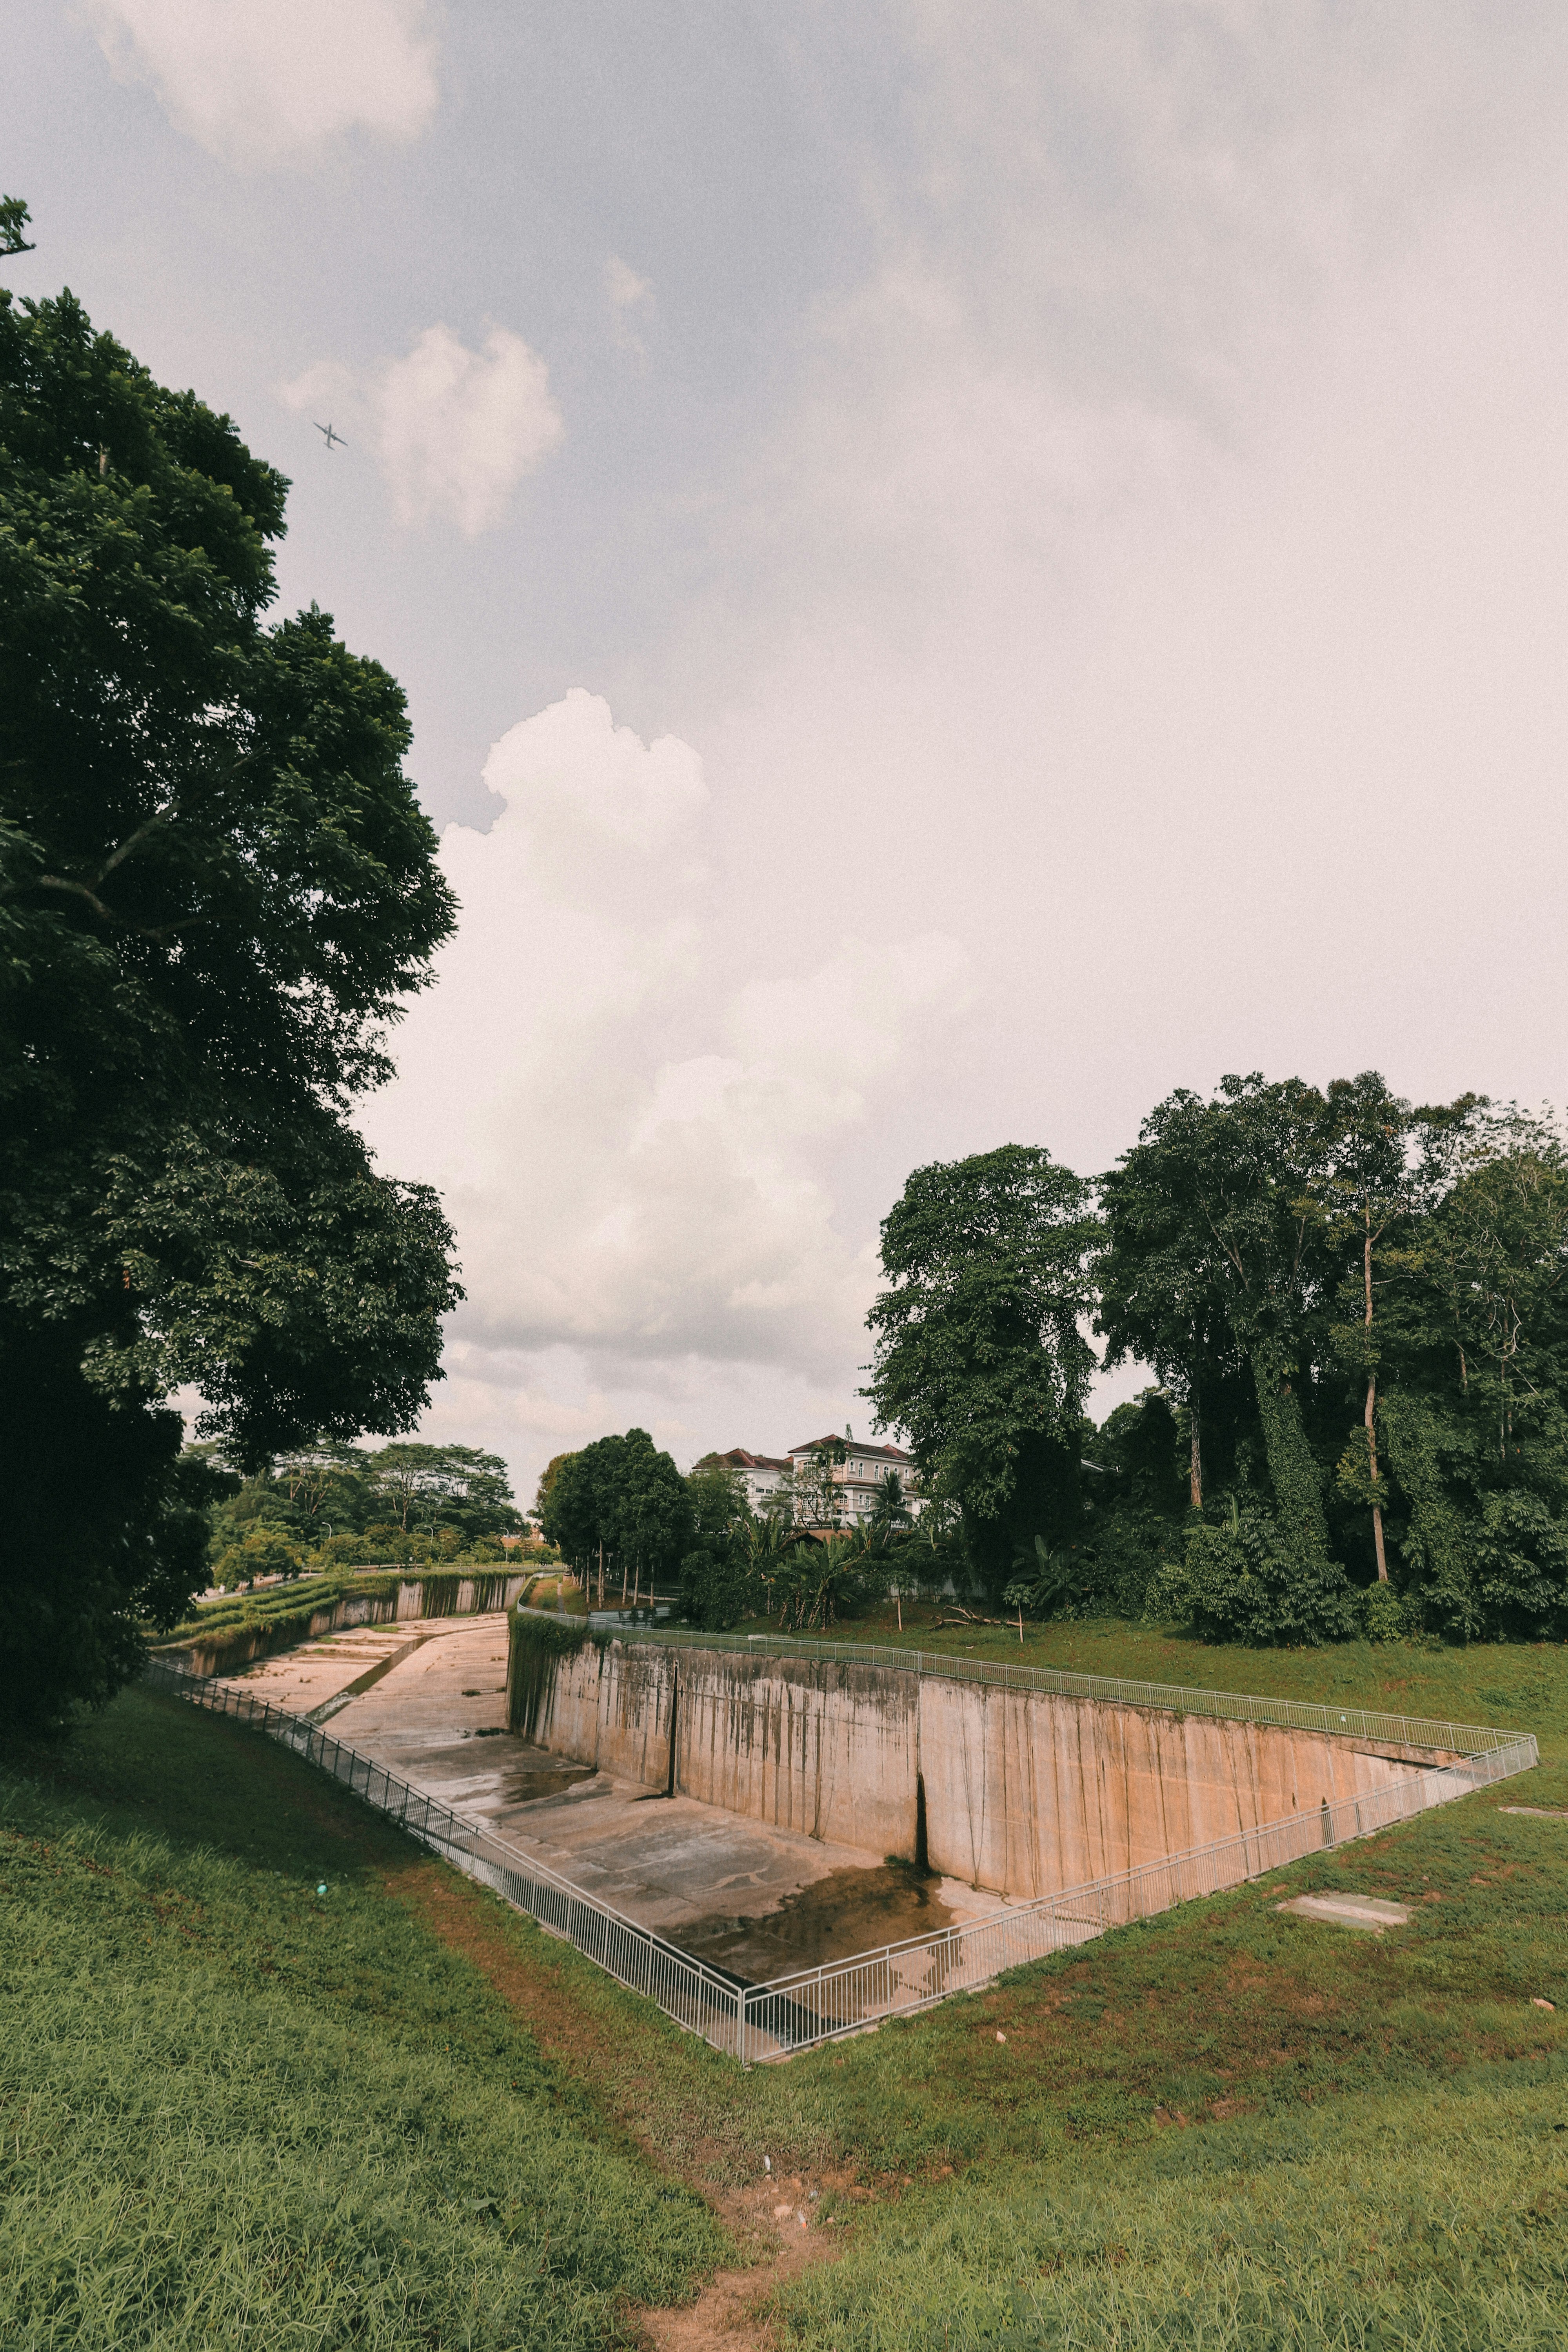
x=1220 y=2128
x=235 y=2112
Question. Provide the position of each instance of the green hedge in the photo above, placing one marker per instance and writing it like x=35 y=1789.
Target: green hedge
x=296 y=1604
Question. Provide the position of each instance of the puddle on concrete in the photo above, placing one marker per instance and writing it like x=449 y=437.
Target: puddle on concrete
x=546 y=1778
x=848 y=1911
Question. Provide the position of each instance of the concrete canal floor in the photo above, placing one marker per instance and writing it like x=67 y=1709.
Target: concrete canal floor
x=427 y=1699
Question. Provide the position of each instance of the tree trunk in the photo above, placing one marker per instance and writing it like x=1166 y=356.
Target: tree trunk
x=1371 y=1404
x=1196 y=1464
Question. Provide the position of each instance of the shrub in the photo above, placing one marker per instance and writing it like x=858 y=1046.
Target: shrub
x=1521 y=1567
x=265 y=1551
x=1385 y=1614
x=1249 y=1582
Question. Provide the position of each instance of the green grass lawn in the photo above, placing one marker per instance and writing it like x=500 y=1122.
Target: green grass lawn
x=235 y=2111
x=240 y=2111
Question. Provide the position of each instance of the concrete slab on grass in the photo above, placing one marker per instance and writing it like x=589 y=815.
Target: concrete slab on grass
x=1363 y=1911
x=1537 y=1813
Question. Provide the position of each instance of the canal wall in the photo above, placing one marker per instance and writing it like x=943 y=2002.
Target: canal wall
x=1019 y=1791
x=441 y=1594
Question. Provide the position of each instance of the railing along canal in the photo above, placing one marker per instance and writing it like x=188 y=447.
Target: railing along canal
x=810 y=2006
x=1179 y=1698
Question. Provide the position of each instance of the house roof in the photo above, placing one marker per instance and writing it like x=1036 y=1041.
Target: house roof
x=853 y=1445
x=738 y=1458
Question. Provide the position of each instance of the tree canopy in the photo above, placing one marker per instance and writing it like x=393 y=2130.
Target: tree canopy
x=620 y=1508
x=1355 y=1310
x=216 y=886
x=980 y=1357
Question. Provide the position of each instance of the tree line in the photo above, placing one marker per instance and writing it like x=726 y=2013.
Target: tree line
x=1355 y=1310
x=633 y=1528
x=333 y=1504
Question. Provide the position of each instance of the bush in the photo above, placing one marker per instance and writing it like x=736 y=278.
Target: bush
x=1521 y=1567
x=265 y=1551
x=1246 y=1583
x=715 y=1586
x=1386 y=1615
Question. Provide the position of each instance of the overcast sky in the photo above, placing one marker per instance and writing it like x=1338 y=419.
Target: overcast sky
x=955 y=568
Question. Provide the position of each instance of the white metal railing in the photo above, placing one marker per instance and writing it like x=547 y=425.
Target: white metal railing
x=795 y=2011
x=704 y=2000
x=841 y=1996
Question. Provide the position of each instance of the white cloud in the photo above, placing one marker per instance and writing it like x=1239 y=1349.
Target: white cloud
x=263 y=81
x=622 y=285
x=629 y=297
x=455 y=430
x=630 y=1123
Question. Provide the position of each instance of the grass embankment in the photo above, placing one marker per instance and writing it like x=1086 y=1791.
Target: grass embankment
x=236 y=2112
x=235 y=2105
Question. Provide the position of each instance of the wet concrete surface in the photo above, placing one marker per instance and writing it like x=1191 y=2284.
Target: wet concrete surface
x=848 y=1911
x=761 y=1900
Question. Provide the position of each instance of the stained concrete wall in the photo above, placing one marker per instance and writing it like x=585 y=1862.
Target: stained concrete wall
x=1027 y=1791
x=1023 y=1792
x=608 y=1707
x=825 y=1749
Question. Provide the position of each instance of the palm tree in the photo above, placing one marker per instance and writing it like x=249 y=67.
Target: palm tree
x=891 y=1509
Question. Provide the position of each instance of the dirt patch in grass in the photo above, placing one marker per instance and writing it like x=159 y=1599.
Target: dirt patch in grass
x=731 y=2313
x=780 y=2224
x=466 y=1922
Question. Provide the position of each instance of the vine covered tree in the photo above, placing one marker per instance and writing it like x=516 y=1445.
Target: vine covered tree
x=216 y=886
x=1390 y=1284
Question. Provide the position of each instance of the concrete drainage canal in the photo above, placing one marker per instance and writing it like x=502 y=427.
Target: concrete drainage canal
x=783 y=1841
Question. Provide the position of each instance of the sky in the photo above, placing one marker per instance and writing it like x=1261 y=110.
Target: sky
x=955 y=568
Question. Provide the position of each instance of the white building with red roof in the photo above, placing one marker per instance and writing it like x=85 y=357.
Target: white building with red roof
x=858 y=1473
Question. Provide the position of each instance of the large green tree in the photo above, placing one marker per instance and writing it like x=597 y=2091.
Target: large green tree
x=979 y=1354
x=216 y=886
x=454 y=1487
x=621 y=1508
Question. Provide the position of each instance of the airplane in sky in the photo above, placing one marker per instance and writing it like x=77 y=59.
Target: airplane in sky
x=333 y=440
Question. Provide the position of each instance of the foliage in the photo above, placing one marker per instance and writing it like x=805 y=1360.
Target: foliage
x=1372 y=1334
x=814 y=1583
x=351 y=1505
x=890 y=1511
x=715 y=1573
x=14 y=219
x=979 y=1356
x=450 y=1486
x=265 y=1551
x=215 y=885
x=1244 y=1581
x=620 y=1503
